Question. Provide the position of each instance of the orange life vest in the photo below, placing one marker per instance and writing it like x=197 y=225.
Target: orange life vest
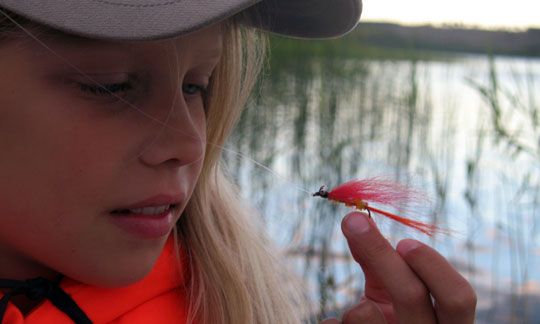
x=155 y=299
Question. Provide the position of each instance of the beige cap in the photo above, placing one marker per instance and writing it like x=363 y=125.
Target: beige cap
x=158 y=19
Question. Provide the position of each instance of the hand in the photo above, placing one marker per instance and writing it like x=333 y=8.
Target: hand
x=400 y=283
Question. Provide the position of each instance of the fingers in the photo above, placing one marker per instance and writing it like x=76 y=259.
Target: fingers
x=389 y=279
x=365 y=312
x=455 y=299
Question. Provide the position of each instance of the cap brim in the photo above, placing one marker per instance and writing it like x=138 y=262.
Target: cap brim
x=307 y=19
x=160 y=19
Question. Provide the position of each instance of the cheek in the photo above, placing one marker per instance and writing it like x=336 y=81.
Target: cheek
x=53 y=214
x=45 y=187
x=46 y=164
x=54 y=172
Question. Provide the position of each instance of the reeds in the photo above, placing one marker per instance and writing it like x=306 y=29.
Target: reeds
x=318 y=120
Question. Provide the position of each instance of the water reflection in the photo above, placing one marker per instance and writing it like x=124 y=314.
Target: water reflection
x=466 y=131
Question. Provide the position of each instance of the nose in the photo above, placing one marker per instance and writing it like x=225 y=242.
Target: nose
x=179 y=139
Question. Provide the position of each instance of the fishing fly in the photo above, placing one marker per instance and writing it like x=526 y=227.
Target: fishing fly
x=361 y=193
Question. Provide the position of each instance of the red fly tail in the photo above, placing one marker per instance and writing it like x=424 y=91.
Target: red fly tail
x=422 y=227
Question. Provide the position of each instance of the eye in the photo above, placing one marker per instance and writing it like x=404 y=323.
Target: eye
x=193 y=89
x=105 y=90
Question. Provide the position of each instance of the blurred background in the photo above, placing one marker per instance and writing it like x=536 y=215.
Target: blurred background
x=443 y=96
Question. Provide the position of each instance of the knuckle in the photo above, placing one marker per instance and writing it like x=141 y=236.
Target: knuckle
x=463 y=299
x=413 y=294
x=364 y=312
x=376 y=250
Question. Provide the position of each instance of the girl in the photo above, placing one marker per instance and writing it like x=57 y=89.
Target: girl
x=115 y=209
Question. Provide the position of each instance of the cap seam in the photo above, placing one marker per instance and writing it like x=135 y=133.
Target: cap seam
x=137 y=6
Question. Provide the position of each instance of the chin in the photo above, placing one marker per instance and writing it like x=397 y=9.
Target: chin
x=124 y=279
x=116 y=272
x=116 y=277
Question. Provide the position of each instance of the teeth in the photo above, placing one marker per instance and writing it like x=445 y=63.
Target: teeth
x=150 y=210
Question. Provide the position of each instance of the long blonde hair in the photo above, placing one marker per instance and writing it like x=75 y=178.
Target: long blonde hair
x=235 y=277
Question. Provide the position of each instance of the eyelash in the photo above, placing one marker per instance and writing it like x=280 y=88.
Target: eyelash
x=111 y=89
x=105 y=89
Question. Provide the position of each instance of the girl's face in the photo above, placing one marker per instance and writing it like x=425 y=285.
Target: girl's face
x=93 y=179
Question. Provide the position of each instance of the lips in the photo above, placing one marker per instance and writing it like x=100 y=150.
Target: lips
x=150 y=218
x=145 y=210
x=155 y=201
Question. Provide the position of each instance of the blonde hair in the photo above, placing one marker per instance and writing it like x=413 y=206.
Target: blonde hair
x=233 y=275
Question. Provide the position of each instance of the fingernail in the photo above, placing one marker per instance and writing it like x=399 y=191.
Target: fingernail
x=355 y=223
x=408 y=245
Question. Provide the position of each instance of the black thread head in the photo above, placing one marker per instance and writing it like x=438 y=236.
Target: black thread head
x=323 y=192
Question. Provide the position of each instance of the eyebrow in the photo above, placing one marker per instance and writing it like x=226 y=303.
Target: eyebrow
x=72 y=40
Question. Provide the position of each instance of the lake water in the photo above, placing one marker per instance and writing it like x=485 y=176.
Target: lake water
x=464 y=130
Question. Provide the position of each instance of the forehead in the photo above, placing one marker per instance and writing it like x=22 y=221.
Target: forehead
x=205 y=43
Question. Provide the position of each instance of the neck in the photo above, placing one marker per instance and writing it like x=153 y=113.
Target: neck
x=22 y=302
x=19 y=266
